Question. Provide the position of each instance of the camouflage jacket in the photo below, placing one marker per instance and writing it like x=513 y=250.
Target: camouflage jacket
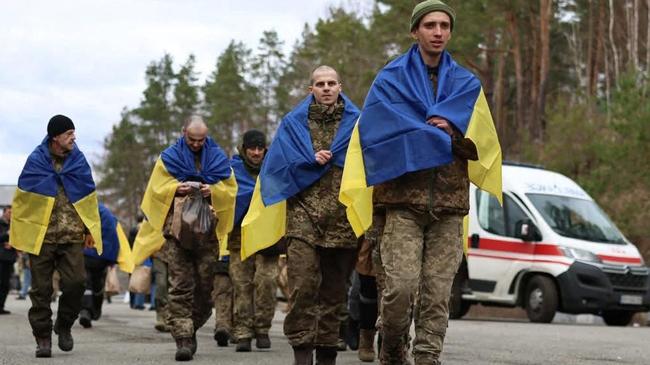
x=440 y=190
x=315 y=214
x=65 y=224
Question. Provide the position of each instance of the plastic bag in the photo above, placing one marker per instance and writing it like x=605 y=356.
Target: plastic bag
x=140 y=281
x=197 y=220
x=112 y=285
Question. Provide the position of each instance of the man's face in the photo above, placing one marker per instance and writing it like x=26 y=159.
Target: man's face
x=6 y=214
x=433 y=33
x=195 y=137
x=255 y=155
x=325 y=87
x=65 y=140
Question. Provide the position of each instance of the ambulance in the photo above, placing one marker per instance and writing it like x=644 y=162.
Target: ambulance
x=548 y=249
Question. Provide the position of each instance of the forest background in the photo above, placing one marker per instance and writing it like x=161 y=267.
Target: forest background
x=567 y=82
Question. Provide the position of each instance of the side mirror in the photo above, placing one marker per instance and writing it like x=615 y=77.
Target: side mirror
x=527 y=231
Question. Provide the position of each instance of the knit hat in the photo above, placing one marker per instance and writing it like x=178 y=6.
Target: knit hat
x=429 y=6
x=254 y=138
x=59 y=124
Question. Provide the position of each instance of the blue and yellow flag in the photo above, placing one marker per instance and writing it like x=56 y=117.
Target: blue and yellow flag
x=115 y=244
x=392 y=137
x=176 y=165
x=38 y=186
x=290 y=167
x=245 y=187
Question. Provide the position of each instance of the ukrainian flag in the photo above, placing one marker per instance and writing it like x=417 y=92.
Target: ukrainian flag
x=116 y=245
x=392 y=137
x=289 y=167
x=38 y=186
x=176 y=165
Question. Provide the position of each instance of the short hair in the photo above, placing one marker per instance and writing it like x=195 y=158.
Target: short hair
x=323 y=68
x=193 y=119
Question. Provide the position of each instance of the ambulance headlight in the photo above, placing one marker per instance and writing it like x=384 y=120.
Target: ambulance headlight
x=580 y=254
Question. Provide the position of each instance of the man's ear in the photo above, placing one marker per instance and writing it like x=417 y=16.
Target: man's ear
x=311 y=89
x=414 y=34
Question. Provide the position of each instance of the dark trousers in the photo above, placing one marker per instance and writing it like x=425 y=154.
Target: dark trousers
x=68 y=260
x=367 y=302
x=6 y=270
x=93 y=297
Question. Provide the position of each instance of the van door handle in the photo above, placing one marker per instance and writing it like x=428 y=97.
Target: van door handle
x=474 y=241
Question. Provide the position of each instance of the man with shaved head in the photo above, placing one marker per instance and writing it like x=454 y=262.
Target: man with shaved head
x=304 y=167
x=195 y=168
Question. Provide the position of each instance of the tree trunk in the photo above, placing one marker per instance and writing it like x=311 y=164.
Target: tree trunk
x=612 y=42
x=519 y=74
x=546 y=11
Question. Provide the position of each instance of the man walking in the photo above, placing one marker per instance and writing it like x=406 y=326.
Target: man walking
x=196 y=171
x=55 y=214
x=7 y=259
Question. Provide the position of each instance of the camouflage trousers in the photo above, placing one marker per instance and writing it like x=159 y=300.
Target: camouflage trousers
x=222 y=297
x=317 y=281
x=68 y=260
x=191 y=275
x=254 y=294
x=420 y=255
x=161 y=278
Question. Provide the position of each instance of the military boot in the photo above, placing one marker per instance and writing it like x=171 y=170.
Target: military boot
x=262 y=341
x=184 y=349
x=393 y=351
x=243 y=345
x=195 y=344
x=43 y=346
x=303 y=355
x=366 y=345
x=221 y=335
x=66 y=342
x=84 y=319
x=326 y=355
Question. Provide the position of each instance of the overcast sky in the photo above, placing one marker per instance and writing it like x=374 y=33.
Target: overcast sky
x=86 y=59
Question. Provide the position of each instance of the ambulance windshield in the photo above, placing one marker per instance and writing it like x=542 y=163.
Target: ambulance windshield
x=576 y=218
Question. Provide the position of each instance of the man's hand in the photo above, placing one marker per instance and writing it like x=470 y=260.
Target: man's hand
x=7 y=246
x=183 y=189
x=89 y=242
x=323 y=156
x=205 y=190
x=441 y=123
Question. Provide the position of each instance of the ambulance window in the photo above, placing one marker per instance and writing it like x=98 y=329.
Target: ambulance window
x=496 y=219
x=490 y=213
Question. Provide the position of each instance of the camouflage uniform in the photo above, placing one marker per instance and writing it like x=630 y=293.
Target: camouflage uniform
x=222 y=295
x=191 y=274
x=161 y=278
x=421 y=248
x=321 y=247
x=62 y=249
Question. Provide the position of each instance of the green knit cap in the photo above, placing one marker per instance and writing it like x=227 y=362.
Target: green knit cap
x=429 y=6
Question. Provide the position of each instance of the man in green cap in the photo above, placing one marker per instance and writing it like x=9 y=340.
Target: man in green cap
x=419 y=102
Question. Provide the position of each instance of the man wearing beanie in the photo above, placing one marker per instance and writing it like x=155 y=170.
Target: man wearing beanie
x=57 y=175
x=416 y=144
x=254 y=278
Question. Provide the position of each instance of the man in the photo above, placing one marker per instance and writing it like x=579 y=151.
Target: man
x=425 y=120
x=55 y=215
x=254 y=278
x=192 y=171
x=7 y=259
x=303 y=167
x=116 y=250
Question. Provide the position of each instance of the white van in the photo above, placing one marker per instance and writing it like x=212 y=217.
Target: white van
x=549 y=248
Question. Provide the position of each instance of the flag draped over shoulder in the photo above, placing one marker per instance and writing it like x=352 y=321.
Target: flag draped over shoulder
x=38 y=186
x=290 y=167
x=115 y=244
x=245 y=187
x=392 y=137
x=176 y=165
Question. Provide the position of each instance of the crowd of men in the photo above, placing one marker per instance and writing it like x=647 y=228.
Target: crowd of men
x=412 y=133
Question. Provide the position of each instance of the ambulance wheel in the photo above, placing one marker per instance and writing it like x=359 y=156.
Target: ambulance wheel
x=541 y=299
x=617 y=318
x=457 y=306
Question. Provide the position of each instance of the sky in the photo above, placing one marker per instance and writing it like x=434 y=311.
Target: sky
x=86 y=59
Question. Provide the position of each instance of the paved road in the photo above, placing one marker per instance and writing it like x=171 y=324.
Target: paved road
x=125 y=336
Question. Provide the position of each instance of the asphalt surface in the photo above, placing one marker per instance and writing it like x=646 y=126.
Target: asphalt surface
x=126 y=336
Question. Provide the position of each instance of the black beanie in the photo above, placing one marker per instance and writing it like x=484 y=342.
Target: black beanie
x=254 y=138
x=59 y=124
